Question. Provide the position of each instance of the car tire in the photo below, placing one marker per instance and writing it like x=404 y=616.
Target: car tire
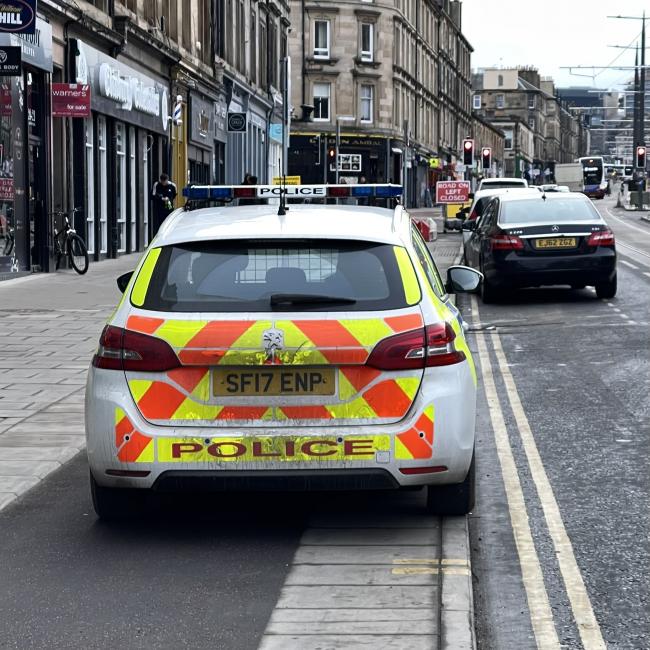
x=606 y=290
x=114 y=504
x=456 y=499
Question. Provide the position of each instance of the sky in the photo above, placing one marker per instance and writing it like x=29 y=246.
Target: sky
x=550 y=34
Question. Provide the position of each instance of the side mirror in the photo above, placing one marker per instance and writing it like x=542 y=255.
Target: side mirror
x=463 y=279
x=469 y=225
x=123 y=281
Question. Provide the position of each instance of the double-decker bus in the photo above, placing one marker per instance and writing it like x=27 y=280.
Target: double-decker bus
x=593 y=172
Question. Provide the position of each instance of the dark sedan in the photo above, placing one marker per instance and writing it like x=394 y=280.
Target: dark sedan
x=550 y=239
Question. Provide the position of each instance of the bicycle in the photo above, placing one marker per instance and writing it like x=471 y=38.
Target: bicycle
x=68 y=243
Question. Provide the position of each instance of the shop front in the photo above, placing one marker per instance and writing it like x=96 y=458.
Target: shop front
x=200 y=151
x=25 y=128
x=119 y=151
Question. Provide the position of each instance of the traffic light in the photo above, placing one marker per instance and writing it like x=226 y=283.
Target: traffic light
x=640 y=157
x=468 y=152
x=486 y=158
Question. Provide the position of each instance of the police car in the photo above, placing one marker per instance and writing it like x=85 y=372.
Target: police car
x=298 y=347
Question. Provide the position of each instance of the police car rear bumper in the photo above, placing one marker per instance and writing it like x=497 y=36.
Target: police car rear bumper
x=351 y=457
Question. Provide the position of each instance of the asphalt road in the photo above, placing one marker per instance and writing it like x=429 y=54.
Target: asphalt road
x=581 y=370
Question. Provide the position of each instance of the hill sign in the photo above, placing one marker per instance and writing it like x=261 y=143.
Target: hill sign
x=452 y=191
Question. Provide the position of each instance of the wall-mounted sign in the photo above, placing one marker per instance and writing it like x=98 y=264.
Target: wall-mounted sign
x=237 y=122
x=70 y=100
x=18 y=16
x=10 y=60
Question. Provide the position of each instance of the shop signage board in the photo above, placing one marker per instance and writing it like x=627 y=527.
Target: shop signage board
x=452 y=191
x=10 y=61
x=70 y=100
x=237 y=122
x=18 y=16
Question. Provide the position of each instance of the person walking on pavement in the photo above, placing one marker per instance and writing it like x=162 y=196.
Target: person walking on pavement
x=163 y=195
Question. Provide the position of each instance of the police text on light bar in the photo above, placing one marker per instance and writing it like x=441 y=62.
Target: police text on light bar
x=228 y=192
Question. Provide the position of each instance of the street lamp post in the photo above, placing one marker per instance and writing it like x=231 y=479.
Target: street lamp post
x=339 y=119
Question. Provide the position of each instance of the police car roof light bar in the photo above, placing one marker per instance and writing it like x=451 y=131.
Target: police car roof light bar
x=226 y=193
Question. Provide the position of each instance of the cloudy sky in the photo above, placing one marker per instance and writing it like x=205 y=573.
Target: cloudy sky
x=550 y=34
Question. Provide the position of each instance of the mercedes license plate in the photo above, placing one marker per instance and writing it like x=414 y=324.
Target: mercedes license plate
x=557 y=242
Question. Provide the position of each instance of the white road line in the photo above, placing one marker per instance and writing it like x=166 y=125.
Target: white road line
x=646 y=273
x=645 y=231
x=583 y=612
x=541 y=615
x=632 y=266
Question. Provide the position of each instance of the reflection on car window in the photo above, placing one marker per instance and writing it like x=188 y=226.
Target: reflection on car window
x=531 y=211
x=240 y=276
x=429 y=266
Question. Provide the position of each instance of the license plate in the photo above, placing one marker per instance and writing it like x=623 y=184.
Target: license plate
x=560 y=242
x=270 y=381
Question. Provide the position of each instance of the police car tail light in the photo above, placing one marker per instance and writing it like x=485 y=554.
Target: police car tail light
x=121 y=349
x=502 y=241
x=601 y=238
x=441 y=350
x=428 y=347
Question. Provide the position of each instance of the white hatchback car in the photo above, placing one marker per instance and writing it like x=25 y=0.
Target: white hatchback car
x=318 y=349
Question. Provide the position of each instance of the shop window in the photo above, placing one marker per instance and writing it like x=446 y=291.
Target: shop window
x=147 y=189
x=90 y=186
x=321 y=39
x=367 y=42
x=7 y=222
x=103 y=183
x=120 y=187
x=367 y=102
x=322 y=102
x=133 y=211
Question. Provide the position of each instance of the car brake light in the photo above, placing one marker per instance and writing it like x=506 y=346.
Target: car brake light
x=502 y=241
x=121 y=349
x=428 y=347
x=601 y=238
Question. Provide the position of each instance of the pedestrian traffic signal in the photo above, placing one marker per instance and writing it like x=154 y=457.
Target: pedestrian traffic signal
x=486 y=158
x=640 y=157
x=468 y=152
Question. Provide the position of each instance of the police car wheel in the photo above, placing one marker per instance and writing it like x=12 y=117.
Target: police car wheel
x=606 y=290
x=112 y=504
x=456 y=499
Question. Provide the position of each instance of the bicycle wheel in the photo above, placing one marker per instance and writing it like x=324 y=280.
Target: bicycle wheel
x=77 y=254
x=9 y=245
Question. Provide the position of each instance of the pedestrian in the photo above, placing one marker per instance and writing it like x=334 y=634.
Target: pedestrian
x=163 y=196
x=248 y=180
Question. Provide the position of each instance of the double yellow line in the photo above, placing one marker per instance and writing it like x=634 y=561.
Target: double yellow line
x=540 y=610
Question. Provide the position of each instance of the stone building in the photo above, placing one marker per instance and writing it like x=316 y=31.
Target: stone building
x=394 y=80
x=523 y=104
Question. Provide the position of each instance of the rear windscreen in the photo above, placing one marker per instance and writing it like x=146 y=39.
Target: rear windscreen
x=501 y=184
x=236 y=276
x=549 y=210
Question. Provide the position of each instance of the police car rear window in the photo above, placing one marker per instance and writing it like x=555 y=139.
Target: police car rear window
x=271 y=275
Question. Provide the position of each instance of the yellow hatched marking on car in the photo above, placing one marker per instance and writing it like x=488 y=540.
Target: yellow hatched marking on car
x=119 y=414
x=409 y=385
x=358 y=408
x=409 y=278
x=139 y=387
x=367 y=331
x=178 y=333
x=304 y=352
x=148 y=453
x=193 y=410
x=141 y=285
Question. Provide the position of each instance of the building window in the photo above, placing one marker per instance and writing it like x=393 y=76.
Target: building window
x=507 y=144
x=322 y=102
x=477 y=102
x=531 y=123
x=531 y=101
x=367 y=44
x=367 y=103
x=501 y=101
x=321 y=39
x=500 y=80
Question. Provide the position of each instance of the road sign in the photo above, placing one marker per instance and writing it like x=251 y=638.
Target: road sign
x=287 y=180
x=237 y=122
x=452 y=191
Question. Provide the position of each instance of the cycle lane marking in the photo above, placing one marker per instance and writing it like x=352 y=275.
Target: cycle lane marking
x=581 y=607
x=541 y=615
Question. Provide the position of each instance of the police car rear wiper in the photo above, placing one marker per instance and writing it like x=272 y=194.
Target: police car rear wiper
x=307 y=299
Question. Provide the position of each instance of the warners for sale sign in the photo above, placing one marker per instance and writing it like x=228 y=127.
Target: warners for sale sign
x=18 y=16
x=452 y=191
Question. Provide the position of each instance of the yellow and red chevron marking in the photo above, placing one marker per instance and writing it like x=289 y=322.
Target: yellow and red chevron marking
x=132 y=446
x=417 y=442
x=306 y=342
x=186 y=396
